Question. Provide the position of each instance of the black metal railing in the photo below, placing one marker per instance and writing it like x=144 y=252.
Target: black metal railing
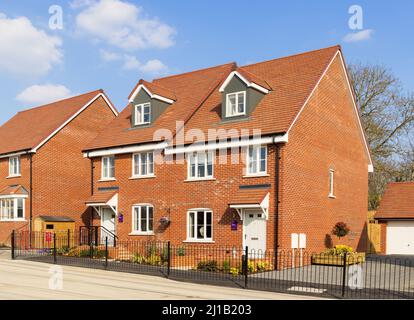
x=351 y=276
x=97 y=235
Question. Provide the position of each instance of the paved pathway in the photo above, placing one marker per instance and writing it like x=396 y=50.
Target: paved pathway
x=21 y=279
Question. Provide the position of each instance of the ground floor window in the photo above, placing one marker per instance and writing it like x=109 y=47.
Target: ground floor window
x=143 y=219
x=199 y=225
x=11 y=209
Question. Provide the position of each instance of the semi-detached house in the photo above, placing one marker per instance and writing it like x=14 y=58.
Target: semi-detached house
x=44 y=177
x=306 y=170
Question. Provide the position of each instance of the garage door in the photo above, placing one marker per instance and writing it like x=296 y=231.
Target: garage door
x=400 y=237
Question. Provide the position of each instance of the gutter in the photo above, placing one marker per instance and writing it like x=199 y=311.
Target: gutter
x=276 y=199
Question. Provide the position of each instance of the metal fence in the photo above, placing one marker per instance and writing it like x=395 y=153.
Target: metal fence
x=349 y=276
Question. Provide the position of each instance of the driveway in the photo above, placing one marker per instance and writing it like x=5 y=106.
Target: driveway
x=20 y=279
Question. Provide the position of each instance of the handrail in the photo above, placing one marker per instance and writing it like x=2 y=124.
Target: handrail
x=95 y=235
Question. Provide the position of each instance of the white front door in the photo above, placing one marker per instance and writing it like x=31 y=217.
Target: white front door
x=254 y=237
x=400 y=237
x=108 y=224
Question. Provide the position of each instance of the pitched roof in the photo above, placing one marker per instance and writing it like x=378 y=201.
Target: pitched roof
x=155 y=89
x=191 y=89
x=101 y=197
x=291 y=79
x=28 y=128
x=253 y=78
x=16 y=189
x=397 y=202
x=249 y=196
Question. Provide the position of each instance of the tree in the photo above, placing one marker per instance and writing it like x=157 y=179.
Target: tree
x=387 y=116
x=340 y=230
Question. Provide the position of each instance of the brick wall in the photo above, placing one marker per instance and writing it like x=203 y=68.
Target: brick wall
x=326 y=136
x=6 y=227
x=172 y=196
x=61 y=175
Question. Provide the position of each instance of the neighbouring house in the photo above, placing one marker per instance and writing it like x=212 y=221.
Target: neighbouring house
x=255 y=155
x=395 y=214
x=43 y=174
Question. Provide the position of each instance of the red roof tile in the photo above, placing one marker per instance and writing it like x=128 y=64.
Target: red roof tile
x=101 y=197
x=155 y=89
x=397 y=202
x=291 y=80
x=249 y=196
x=253 y=78
x=13 y=190
x=190 y=89
x=29 y=128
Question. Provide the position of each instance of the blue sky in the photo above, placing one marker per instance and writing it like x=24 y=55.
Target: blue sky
x=111 y=44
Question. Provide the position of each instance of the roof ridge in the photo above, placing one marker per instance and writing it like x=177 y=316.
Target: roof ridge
x=62 y=100
x=194 y=71
x=293 y=55
x=401 y=182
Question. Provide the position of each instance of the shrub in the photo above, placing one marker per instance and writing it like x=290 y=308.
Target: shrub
x=339 y=250
x=97 y=254
x=262 y=266
x=181 y=251
x=340 y=230
x=154 y=260
x=138 y=258
x=64 y=250
x=234 y=271
x=251 y=267
x=226 y=266
x=210 y=266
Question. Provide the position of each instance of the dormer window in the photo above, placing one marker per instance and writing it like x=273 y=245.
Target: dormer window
x=236 y=104
x=142 y=113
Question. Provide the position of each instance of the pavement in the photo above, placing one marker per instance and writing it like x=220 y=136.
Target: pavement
x=27 y=280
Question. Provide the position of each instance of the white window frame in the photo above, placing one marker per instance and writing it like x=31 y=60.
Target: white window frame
x=12 y=164
x=14 y=207
x=228 y=109
x=256 y=149
x=148 y=166
x=331 y=183
x=141 y=120
x=195 y=238
x=208 y=155
x=139 y=231
x=105 y=171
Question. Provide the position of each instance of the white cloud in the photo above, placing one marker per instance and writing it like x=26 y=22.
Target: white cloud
x=131 y=63
x=26 y=50
x=42 y=94
x=359 y=36
x=109 y=56
x=76 y=4
x=154 y=67
x=122 y=24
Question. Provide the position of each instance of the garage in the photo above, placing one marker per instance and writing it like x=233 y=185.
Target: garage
x=400 y=237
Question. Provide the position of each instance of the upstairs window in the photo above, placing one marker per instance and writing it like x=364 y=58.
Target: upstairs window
x=108 y=168
x=143 y=164
x=257 y=160
x=142 y=113
x=14 y=166
x=236 y=104
x=200 y=165
x=331 y=183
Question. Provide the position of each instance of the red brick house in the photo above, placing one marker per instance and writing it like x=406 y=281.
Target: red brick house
x=42 y=169
x=396 y=216
x=292 y=125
